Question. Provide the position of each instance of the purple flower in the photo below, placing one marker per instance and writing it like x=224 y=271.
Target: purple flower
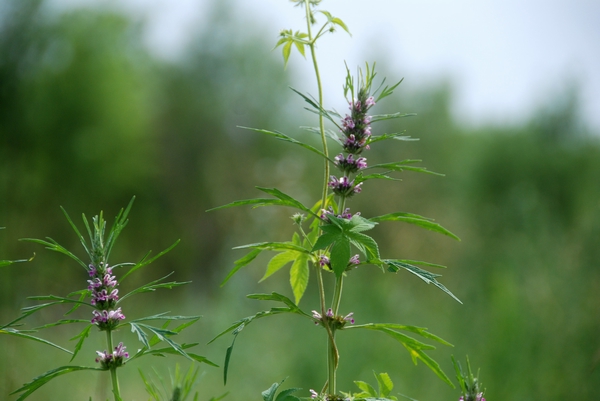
x=354 y=260
x=116 y=359
x=370 y=102
x=324 y=261
x=107 y=319
x=343 y=186
x=349 y=165
x=313 y=393
x=349 y=317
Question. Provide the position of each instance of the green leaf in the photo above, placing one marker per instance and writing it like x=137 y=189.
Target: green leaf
x=145 y=262
x=367 y=389
x=398 y=137
x=82 y=336
x=278 y=261
x=416 y=220
x=428 y=277
x=39 y=381
x=299 y=277
x=340 y=256
x=319 y=110
x=287 y=49
x=404 y=165
x=142 y=336
x=163 y=335
x=385 y=384
x=285 y=138
x=17 y=333
x=413 y=346
x=55 y=246
x=153 y=286
x=382 y=117
x=238 y=264
x=274 y=246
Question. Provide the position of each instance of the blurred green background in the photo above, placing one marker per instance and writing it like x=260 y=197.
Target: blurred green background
x=89 y=118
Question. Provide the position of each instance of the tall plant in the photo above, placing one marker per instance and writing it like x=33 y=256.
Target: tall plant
x=330 y=239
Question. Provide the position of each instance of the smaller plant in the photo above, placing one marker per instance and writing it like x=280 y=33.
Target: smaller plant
x=102 y=296
x=469 y=384
x=181 y=385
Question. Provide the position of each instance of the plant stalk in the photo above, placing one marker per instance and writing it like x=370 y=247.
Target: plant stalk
x=113 y=371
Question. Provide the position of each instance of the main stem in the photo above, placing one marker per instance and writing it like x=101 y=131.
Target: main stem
x=113 y=370
x=331 y=347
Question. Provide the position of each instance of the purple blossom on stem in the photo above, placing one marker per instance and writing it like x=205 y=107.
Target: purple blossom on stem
x=325 y=213
x=107 y=319
x=349 y=165
x=349 y=317
x=354 y=260
x=116 y=359
x=344 y=186
x=313 y=393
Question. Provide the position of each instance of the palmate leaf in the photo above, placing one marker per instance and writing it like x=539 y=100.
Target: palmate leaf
x=417 y=220
x=340 y=234
x=29 y=388
x=428 y=277
x=414 y=347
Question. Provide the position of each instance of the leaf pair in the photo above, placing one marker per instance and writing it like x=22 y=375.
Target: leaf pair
x=342 y=233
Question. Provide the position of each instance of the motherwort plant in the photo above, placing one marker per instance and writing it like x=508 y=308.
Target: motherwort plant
x=330 y=238
x=103 y=301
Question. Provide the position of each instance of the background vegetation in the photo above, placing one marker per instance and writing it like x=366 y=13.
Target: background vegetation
x=89 y=118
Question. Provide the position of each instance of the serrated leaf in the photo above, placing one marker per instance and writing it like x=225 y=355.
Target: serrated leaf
x=367 y=245
x=416 y=220
x=287 y=49
x=382 y=117
x=142 y=336
x=428 y=277
x=340 y=256
x=385 y=384
x=299 y=274
x=367 y=389
x=396 y=136
x=278 y=261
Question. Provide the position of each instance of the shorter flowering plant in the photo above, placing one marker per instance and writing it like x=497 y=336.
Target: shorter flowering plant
x=107 y=316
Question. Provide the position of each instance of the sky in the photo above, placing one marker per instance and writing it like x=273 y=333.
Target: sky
x=504 y=58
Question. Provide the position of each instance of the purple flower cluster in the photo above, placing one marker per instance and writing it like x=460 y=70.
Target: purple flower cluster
x=104 y=297
x=114 y=360
x=356 y=127
x=325 y=213
x=348 y=164
x=344 y=186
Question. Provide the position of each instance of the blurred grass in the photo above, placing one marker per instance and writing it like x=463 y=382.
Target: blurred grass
x=88 y=118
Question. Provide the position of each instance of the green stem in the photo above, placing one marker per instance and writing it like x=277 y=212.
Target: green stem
x=113 y=370
x=321 y=119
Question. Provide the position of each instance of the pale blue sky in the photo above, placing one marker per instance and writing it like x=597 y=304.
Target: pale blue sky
x=505 y=57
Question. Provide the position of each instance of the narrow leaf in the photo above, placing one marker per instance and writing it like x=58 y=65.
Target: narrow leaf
x=416 y=220
x=39 y=381
x=238 y=264
x=428 y=277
